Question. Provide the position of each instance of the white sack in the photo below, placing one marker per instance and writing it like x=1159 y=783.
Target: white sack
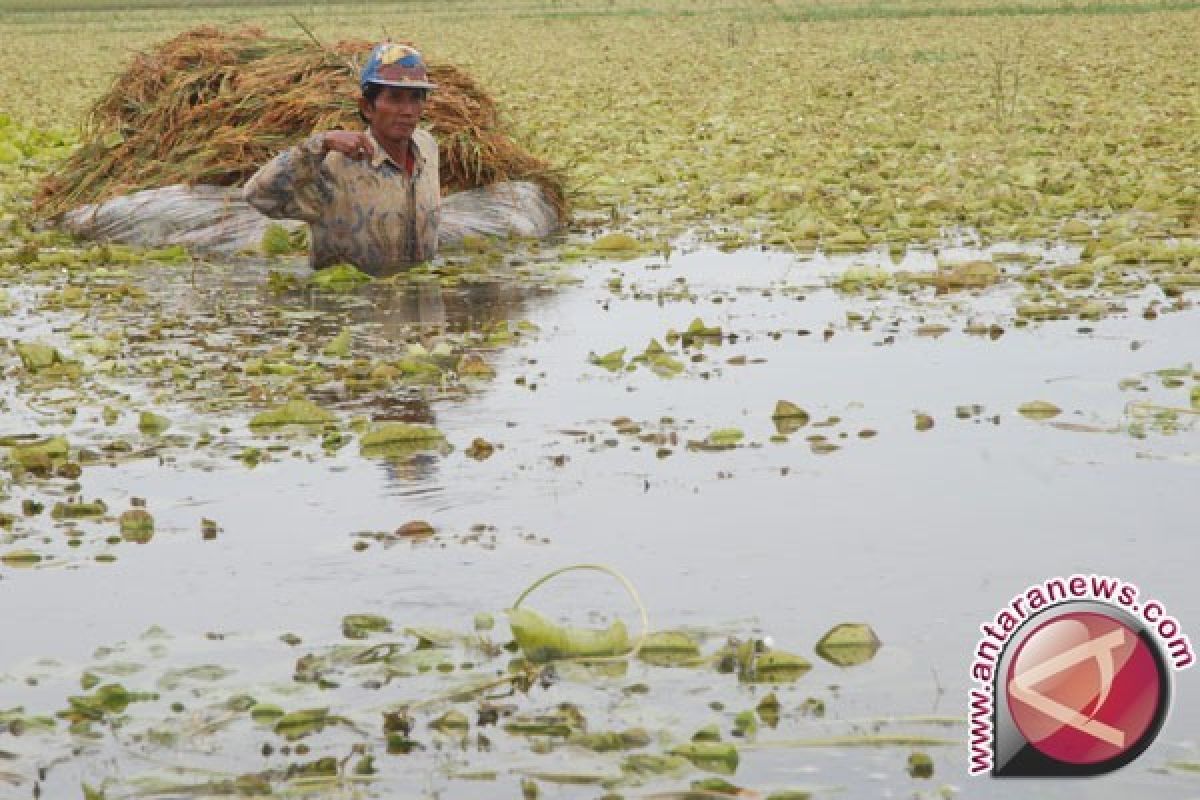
x=215 y=219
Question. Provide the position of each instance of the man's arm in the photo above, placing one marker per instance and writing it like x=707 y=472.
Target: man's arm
x=290 y=186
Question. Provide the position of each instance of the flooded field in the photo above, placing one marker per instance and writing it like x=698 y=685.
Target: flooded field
x=858 y=514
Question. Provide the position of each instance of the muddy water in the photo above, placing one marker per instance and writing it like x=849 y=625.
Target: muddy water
x=922 y=534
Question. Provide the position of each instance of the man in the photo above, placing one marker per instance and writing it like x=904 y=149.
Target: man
x=371 y=198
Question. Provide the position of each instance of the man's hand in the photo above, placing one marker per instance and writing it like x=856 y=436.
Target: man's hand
x=353 y=144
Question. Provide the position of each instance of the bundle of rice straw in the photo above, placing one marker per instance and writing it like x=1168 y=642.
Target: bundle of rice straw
x=211 y=106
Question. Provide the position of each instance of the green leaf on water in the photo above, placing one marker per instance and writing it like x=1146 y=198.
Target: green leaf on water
x=240 y=702
x=293 y=412
x=565 y=720
x=96 y=508
x=265 y=713
x=611 y=361
x=788 y=417
x=607 y=742
x=669 y=649
x=360 y=626
x=401 y=433
x=920 y=765
x=720 y=757
x=339 y=277
x=745 y=723
x=647 y=765
x=775 y=666
x=541 y=640
x=152 y=424
x=111 y=698
x=338 y=346
x=717 y=786
x=20 y=558
x=276 y=240
x=616 y=243
x=40 y=455
x=172 y=254
x=453 y=721
x=298 y=724
x=785 y=409
x=36 y=356
x=137 y=525
x=768 y=709
x=724 y=437
x=472 y=365
x=699 y=329
x=429 y=638
x=664 y=365
x=849 y=644
x=1039 y=409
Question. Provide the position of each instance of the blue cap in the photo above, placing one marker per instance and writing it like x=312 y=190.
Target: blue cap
x=393 y=64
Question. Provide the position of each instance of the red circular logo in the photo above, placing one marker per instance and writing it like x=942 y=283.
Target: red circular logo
x=1084 y=688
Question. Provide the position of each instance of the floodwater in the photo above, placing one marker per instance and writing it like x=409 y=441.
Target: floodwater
x=924 y=535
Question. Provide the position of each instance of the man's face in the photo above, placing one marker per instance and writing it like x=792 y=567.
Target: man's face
x=394 y=115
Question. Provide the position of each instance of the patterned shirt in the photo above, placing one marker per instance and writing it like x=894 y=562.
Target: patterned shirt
x=368 y=213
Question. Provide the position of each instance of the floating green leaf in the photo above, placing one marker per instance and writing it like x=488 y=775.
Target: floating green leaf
x=298 y=724
x=360 y=626
x=266 y=713
x=920 y=765
x=293 y=412
x=788 y=417
x=630 y=739
x=718 y=757
x=20 y=558
x=1039 y=409
x=611 y=361
x=724 y=437
x=276 y=240
x=79 y=510
x=670 y=649
x=111 y=698
x=152 y=424
x=338 y=346
x=453 y=721
x=541 y=640
x=769 y=666
x=339 y=277
x=849 y=644
x=36 y=356
x=40 y=455
x=137 y=525
x=616 y=243
x=401 y=433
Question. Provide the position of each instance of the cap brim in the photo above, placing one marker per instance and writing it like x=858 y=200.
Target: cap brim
x=406 y=84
